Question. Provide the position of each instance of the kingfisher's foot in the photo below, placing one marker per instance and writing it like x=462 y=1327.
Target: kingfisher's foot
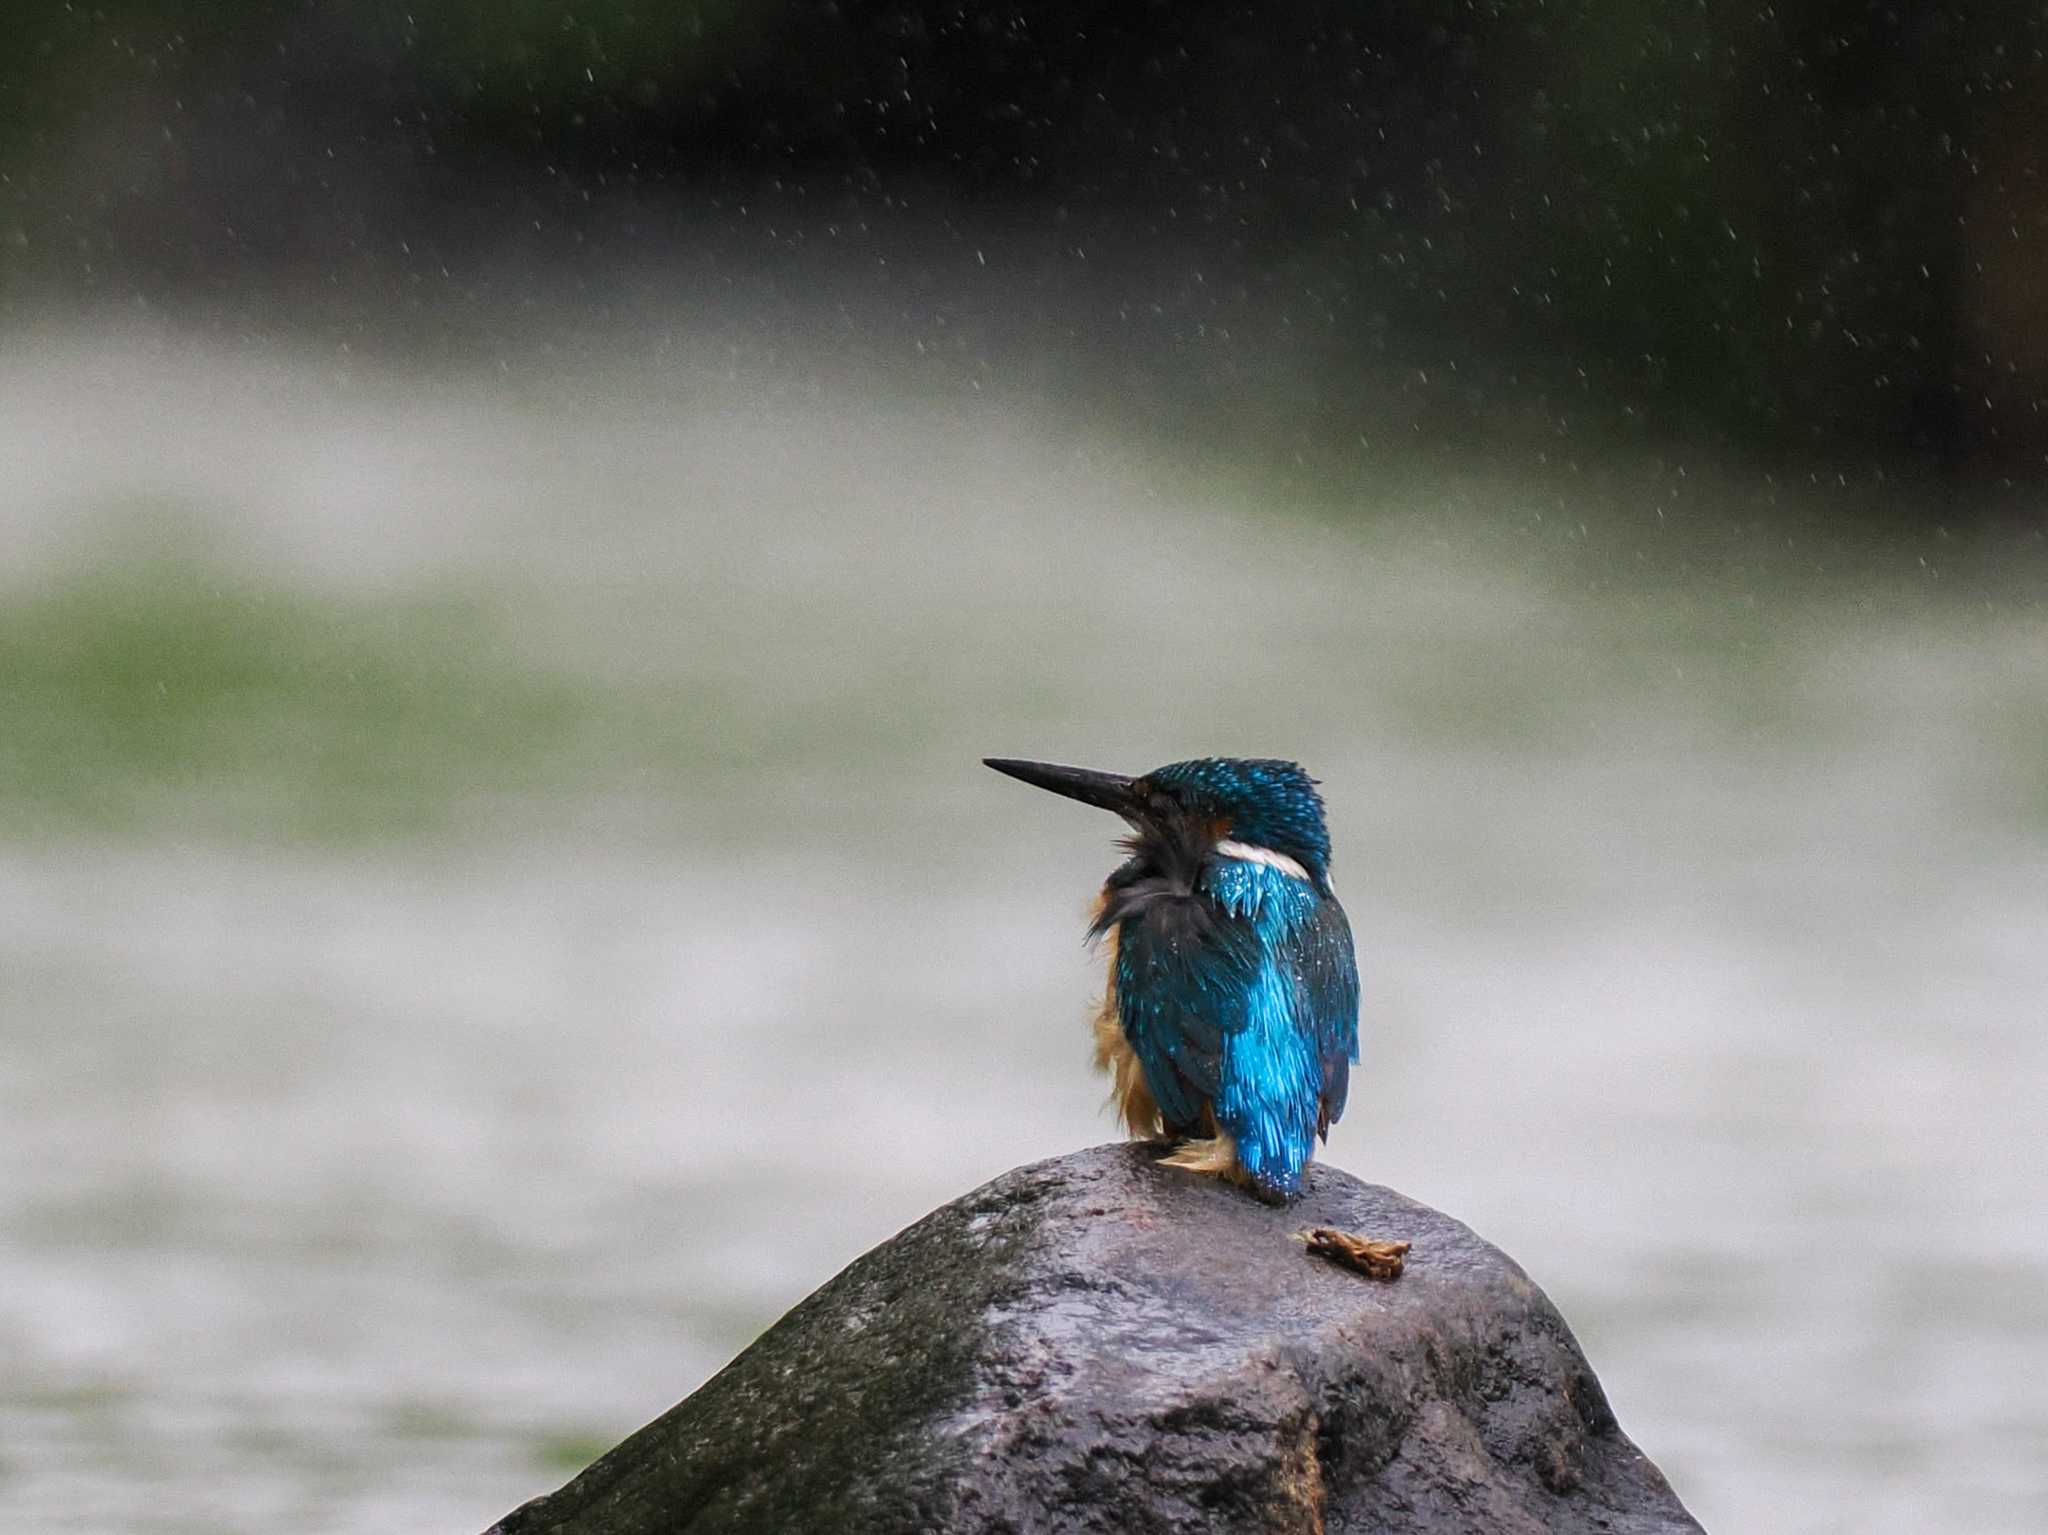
x=1365 y=1255
x=1215 y=1156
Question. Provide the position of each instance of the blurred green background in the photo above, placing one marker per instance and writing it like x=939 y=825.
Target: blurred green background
x=517 y=524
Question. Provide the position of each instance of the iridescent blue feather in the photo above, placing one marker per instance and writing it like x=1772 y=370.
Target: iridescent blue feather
x=1233 y=984
x=1237 y=988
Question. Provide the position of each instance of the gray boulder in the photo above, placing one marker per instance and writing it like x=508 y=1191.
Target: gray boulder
x=1096 y=1343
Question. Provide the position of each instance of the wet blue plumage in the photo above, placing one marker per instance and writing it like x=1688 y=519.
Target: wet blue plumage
x=1233 y=979
x=1286 y=1072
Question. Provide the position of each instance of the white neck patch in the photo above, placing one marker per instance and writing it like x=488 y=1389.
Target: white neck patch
x=1264 y=855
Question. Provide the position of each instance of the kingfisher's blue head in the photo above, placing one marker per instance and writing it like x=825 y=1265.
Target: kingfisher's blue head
x=1192 y=807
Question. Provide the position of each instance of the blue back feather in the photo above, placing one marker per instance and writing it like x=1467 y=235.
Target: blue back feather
x=1236 y=984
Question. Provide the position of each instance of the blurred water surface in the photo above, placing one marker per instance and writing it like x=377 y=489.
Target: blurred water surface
x=497 y=901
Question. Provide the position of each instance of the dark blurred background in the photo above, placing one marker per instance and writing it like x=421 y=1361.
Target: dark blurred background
x=519 y=520
x=1810 y=230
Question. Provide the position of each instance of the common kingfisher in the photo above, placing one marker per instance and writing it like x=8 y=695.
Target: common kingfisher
x=1230 y=1022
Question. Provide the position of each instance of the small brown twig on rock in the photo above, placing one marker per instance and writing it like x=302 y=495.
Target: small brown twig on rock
x=1364 y=1255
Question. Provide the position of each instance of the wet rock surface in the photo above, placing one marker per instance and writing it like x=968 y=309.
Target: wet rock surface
x=1096 y=1343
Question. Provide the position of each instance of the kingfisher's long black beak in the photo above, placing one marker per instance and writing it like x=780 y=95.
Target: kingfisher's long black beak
x=1110 y=791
